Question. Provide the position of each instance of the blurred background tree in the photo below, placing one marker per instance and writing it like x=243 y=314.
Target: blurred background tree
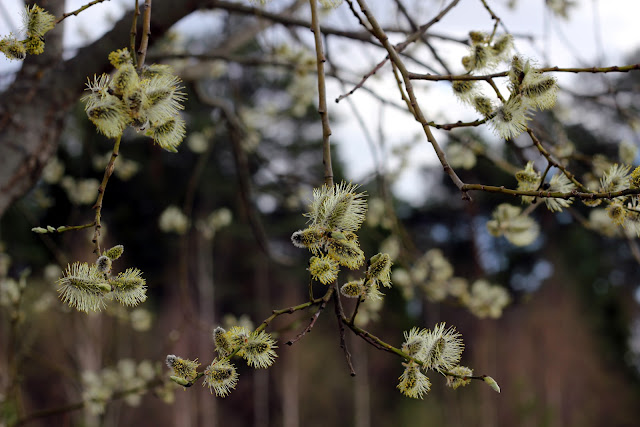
x=211 y=226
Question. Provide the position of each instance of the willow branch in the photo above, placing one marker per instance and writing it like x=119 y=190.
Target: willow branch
x=380 y=35
x=400 y=46
x=458 y=124
x=293 y=309
x=375 y=341
x=133 y=33
x=355 y=311
x=400 y=85
x=378 y=343
x=77 y=11
x=551 y=194
x=146 y=32
x=423 y=38
x=322 y=95
x=341 y=319
x=108 y=171
x=325 y=299
x=555 y=163
x=593 y=70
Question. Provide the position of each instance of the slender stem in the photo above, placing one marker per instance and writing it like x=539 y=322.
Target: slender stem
x=293 y=309
x=494 y=17
x=544 y=175
x=458 y=124
x=322 y=95
x=355 y=311
x=133 y=34
x=496 y=90
x=340 y=317
x=64 y=228
x=77 y=11
x=400 y=46
x=375 y=341
x=310 y=288
x=423 y=38
x=108 y=171
x=472 y=377
x=552 y=194
x=146 y=32
x=593 y=70
x=552 y=161
x=393 y=55
x=400 y=85
x=325 y=300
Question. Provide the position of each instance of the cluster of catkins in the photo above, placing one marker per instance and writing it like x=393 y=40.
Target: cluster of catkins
x=36 y=23
x=335 y=214
x=221 y=376
x=86 y=287
x=529 y=88
x=439 y=349
x=148 y=99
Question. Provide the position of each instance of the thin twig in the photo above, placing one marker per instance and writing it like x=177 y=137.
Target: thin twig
x=400 y=46
x=423 y=37
x=496 y=90
x=293 y=309
x=325 y=300
x=108 y=171
x=146 y=33
x=458 y=124
x=551 y=194
x=400 y=85
x=555 y=163
x=355 y=310
x=133 y=34
x=380 y=35
x=322 y=95
x=310 y=288
x=593 y=70
x=340 y=318
x=77 y=11
x=495 y=18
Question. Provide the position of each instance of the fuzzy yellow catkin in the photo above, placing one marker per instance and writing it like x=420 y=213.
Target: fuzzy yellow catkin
x=380 y=269
x=12 y=48
x=129 y=287
x=324 y=269
x=103 y=264
x=221 y=377
x=221 y=341
x=115 y=252
x=345 y=253
x=183 y=368
x=310 y=238
x=483 y=105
